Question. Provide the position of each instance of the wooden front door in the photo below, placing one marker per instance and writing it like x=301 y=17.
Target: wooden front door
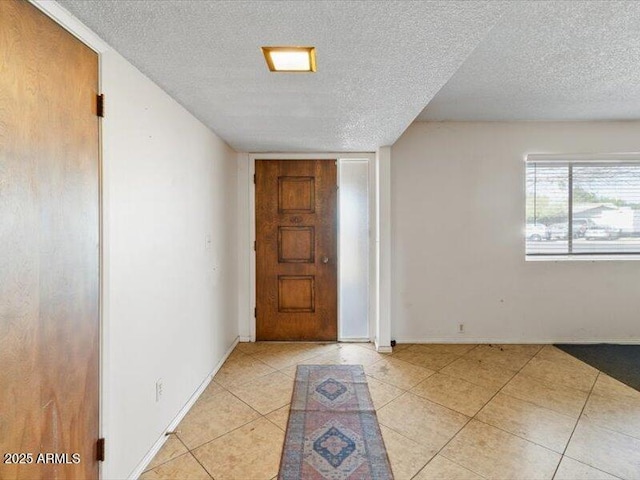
x=49 y=250
x=296 y=250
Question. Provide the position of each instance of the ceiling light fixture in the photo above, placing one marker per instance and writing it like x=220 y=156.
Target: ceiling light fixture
x=290 y=59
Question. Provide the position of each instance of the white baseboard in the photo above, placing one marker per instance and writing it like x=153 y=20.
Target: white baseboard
x=181 y=414
x=527 y=340
x=382 y=348
x=244 y=339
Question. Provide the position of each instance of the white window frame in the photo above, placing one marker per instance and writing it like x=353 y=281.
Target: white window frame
x=580 y=159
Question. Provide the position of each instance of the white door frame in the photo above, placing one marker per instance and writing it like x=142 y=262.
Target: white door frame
x=246 y=237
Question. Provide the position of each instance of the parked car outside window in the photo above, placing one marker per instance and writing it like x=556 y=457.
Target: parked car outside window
x=537 y=232
x=558 y=231
x=580 y=226
x=602 y=232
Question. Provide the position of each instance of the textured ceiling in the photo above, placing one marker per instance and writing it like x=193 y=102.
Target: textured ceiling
x=550 y=61
x=379 y=63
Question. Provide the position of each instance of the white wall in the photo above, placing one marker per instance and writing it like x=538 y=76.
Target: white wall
x=458 y=209
x=170 y=297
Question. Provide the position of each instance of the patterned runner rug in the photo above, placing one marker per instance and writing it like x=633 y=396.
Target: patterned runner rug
x=333 y=431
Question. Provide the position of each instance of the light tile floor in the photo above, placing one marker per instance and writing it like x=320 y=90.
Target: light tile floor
x=465 y=412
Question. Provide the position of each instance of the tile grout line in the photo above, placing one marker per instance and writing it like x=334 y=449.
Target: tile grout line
x=609 y=429
x=466 y=423
x=387 y=403
x=402 y=361
x=191 y=450
x=200 y=463
x=455 y=360
x=262 y=416
x=474 y=417
x=279 y=369
x=180 y=440
x=232 y=430
x=448 y=408
x=274 y=423
x=551 y=385
x=444 y=366
x=576 y=426
x=409 y=390
x=543 y=408
x=602 y=425
x=188 y=452
x=165 y=462
x=402 y=393
x=225 y=388
x=524 y=401
x=405 y=391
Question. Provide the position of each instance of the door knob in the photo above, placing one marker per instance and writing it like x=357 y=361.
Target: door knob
x=325 y=259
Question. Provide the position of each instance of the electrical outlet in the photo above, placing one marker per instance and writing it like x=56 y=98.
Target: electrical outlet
x=159 y=389
x=461 y=328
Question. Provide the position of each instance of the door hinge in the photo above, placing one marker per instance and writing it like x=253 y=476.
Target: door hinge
x=255 y=312
x=254 y=246
x=100 y=450
x=100 y=105
x=254 y=178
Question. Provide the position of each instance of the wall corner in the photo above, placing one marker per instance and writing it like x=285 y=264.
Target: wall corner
x=383 y=248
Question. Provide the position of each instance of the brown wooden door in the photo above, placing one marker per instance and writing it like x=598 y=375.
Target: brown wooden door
x=296 y=250
x=49 y=256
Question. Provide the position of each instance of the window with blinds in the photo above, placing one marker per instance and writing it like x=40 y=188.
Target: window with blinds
x=588 y=206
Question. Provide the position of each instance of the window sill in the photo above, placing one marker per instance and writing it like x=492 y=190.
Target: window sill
x=582 y=258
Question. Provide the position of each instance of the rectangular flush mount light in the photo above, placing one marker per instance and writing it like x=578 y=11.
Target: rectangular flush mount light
x=290 y=59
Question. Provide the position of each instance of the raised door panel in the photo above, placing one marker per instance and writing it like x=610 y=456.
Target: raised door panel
x=296 y=244
x=296 y=293
x=296 y=194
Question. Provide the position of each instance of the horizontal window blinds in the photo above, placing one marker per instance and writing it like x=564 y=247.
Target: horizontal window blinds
x=582 y=207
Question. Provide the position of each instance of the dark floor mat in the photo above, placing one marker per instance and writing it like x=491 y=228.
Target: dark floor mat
x=621 y=362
